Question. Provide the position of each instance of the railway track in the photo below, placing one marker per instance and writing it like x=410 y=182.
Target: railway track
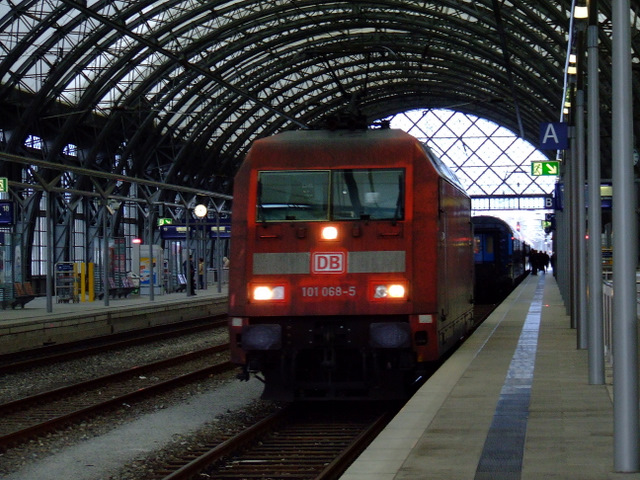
x=23 y=422
x=310 y=442
x=38 y=414
x=14 y=362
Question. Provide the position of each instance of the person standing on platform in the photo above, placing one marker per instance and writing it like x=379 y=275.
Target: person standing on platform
x=546 y=259
x=534 y=262
x=201 y=273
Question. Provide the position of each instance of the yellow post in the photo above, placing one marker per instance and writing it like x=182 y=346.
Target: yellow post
x=92 y=293
x=83 y=267
x=74 y=298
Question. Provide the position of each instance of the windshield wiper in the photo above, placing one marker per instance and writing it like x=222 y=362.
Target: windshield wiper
x=354 y=197
x=261 y=215
x=400 y=202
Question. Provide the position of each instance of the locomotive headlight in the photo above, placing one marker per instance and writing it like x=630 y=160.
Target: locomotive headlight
x=381 y=291
x=329 y=233
x=396 y=291
x=268 y=292
x=392 y=290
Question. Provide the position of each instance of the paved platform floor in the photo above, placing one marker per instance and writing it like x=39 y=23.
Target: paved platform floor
x=511 y=403
x=37 y=307
x=33 y=326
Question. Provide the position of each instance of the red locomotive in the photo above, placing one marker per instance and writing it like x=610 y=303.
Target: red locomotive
x=352 y=263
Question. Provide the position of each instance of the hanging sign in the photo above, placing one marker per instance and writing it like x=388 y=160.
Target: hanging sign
x=551 y=167
x=554 y=136
x=6 y=212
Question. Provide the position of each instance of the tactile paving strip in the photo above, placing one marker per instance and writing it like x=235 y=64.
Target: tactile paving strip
x=501 y=457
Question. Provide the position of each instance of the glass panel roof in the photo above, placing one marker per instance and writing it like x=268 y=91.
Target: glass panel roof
x=186 y=85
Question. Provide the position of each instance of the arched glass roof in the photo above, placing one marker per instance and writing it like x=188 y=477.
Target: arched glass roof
x=488 y=159
x=179 y=88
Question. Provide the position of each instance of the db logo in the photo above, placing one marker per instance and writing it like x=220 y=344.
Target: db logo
x=328 y=262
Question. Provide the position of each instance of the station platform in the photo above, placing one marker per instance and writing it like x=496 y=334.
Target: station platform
x=32 y=326
x=513 y=402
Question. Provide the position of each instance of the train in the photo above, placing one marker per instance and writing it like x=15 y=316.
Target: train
x=500 y=258
x=352 y=264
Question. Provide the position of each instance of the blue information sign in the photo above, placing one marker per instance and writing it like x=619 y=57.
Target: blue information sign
x=6 y=212
x=223 y=231
x=176 y=232
x=179 y=232
x=554 y=136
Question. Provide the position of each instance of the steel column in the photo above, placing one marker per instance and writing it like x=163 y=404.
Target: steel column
x=580 y=227
x=570 y=198
x=595 y=325
x=625 y=334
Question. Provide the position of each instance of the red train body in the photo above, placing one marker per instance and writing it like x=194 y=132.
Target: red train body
x=358 y=315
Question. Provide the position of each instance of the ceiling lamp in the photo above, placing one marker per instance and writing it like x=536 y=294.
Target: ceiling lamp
x=581 y=11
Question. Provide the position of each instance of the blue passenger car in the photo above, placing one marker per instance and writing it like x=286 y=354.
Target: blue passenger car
x=499 y=259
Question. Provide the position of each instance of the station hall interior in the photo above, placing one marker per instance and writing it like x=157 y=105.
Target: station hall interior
x=123 y=122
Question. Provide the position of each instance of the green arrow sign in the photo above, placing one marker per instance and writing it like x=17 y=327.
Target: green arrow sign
x=164 y=221
x=4 y=184
x=545 y=168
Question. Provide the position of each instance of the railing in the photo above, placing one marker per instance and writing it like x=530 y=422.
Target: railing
x=607 y=313
x=212 y=276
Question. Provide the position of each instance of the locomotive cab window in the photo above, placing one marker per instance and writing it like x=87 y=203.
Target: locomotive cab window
x=372 y=194
x=293 y=195
x=321 y=195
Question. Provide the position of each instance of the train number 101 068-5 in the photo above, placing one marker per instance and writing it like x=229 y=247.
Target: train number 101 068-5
x=346 y=291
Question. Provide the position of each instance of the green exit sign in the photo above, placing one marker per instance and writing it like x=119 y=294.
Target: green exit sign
x=551 y=167
x=4 y=184
x=164 y=221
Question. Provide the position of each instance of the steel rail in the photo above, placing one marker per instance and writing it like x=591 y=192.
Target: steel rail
x=12 y=362
x=18 y=436
x=307 y=463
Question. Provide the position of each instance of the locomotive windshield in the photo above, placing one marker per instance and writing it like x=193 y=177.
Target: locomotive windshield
x=321 y=195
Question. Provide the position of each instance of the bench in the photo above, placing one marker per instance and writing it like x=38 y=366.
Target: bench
x=182 y=283
x=127 y=287
x=113 y=290
x=122 y=291
x=23 y=294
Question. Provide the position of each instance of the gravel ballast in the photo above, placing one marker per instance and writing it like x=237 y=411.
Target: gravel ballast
x=104 y=456
x=125 y=444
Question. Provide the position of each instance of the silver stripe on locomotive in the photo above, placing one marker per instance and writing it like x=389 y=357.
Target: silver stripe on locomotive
x=357 y=262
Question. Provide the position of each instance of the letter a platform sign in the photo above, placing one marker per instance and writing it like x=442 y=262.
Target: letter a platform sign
x=554 y=136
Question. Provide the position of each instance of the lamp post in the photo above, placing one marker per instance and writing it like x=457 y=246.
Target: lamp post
x=218 y=255
x=200 y=212
x=152 y=273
